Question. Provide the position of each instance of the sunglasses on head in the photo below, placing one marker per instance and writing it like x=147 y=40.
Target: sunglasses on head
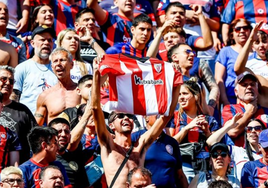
x=256 y=128
x=215 y=154
x=188 y=51
x=4 y=80
x=245 y=28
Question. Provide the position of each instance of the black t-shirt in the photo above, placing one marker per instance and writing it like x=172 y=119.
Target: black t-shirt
x=18 y=118
x=88 y=53
x=75 y=167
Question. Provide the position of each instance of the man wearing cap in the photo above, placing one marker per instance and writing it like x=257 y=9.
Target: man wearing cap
x=69 y=151
x=255 y=173
x=35 y=75
x=246 y=91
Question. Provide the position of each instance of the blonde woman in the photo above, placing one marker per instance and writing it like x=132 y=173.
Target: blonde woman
x=69 y=40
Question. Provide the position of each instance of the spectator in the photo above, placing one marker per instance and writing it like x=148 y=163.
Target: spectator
x=141 y=30
x=47 y=107
x=253 y=11
x=224 y=70
x=190 y=126
x=7 y=38
x=9 y=55
x=115 y=27
x=69 y=151
x=51 y=177
x=254 y=173
x=11 y=177
x=139 y=177
x=9 y=145
x=220 y=160
x=36 y=73
x=91 y=44
x=240 y=155
x=44 y=145
x=163 y=159
x=246 y=90
x=122 y=124
x=69 y=40
x=258 y=40
x=15 y=116
x=183 y=57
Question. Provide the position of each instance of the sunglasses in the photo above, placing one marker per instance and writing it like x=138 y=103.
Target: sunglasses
x=188 y=51
x=122 y=115
x=256 y=128
x=215 y=154
x=245 y=28
x=4 y=80
x=11 y=181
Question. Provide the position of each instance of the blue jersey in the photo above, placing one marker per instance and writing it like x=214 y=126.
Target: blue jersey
x=31 y=171
x=116 y=29
x=126 y=48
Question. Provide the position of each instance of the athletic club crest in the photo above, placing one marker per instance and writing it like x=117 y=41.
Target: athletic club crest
x=158 y=67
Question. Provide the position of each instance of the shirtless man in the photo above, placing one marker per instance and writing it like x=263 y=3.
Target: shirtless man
x=113 y=151
x=9 y=56
x=63 y=95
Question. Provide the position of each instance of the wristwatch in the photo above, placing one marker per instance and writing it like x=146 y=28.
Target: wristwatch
x=266 y=183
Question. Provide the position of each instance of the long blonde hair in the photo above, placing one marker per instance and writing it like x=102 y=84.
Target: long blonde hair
x=78 y=58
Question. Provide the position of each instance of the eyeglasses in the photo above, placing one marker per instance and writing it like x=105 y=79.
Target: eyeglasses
x=11 y=181
x=215 y=154
x=245 y=28
x=122 y=115
x=4 y=80
x=256 y=128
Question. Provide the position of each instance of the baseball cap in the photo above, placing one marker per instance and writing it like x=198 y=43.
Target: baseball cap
x=263 y=138
x=43 y=29
x=244 y=75
x=219 y=146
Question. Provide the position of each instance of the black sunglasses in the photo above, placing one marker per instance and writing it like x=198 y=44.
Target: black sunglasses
x=215 y=154
x=4 y=80
x=122 y=115
x=256 y=128
x=245 y=28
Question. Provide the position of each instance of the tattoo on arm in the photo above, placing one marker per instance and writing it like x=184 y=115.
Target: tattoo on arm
x=38 y=115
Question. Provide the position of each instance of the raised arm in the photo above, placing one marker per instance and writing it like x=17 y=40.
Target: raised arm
x=219 y=134
x=23 y=22
x=41 y=110
x=206 y=42
x=240 y=64
x=153 y=49
x=78 y=131
x=104 y=136
x=220 y=74
x=148 y=137
x=100 y=14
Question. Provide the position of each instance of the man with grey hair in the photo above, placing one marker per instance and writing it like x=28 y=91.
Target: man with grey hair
x=64 y=91
x=11 y=177
x=139 y=177
x=51 y=177
x=15 y=116
x=35 y=75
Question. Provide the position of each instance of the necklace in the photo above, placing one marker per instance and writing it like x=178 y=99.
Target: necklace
x=43 y=65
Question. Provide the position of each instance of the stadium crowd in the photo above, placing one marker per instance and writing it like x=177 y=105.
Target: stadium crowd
x=134 y=93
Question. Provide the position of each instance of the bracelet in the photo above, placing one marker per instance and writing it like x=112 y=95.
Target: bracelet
x=91 y=44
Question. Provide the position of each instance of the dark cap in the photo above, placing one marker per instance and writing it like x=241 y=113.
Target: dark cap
x=244 y=75
x=58 y=120
x=219 y=146
x=263 y=138
x=43 y=29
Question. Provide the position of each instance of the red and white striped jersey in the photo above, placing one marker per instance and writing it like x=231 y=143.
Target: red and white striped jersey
x=139 y=85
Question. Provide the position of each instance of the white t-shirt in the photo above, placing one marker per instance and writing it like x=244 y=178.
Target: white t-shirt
x=258 y=66
x=76 y=73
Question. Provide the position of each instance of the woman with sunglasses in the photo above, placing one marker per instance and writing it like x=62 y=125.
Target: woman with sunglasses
x=220 y=161
x=224 y=69
x=240 y=155
x=191 y=126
